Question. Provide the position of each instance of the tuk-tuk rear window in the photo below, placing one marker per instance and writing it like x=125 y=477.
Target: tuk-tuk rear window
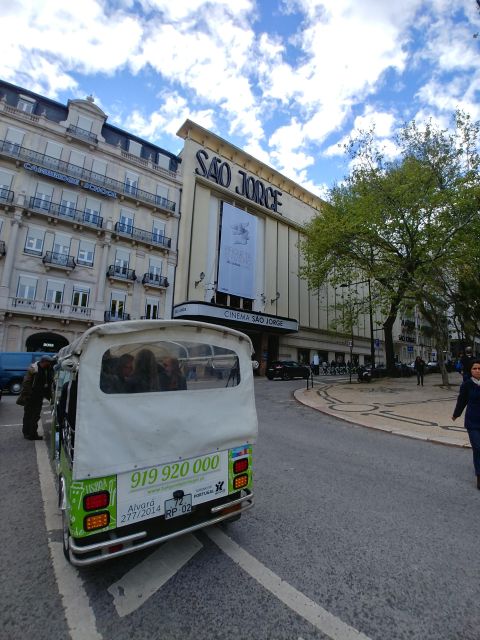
x=168 y=366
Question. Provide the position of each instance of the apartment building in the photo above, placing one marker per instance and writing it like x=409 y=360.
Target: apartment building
x=88 y=222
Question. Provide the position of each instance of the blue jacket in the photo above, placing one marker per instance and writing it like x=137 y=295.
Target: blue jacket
x=469 y=396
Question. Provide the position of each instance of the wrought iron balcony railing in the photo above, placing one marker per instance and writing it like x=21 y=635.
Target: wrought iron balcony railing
x=112 y=316
x=143 y=236
x=64 y=211
x=50 y=308
x=82 y=133
x=59 y=260
x=120 y=272
x=155 y=280
x=28 y=155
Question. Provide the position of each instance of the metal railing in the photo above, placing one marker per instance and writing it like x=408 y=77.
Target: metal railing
x=155 y=280
x=63 y=211
x=142 y=235
x=51 y=308
x=28 y=155
x=59 y=260
x=122 y=273
x=110 y=316
x=82 y=133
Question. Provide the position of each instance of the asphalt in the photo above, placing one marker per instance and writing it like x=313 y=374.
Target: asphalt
x=396 y=405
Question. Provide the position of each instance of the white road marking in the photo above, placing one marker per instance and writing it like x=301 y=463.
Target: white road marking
x=326 y=622
x=78 y=613
x=136 y=586
x=13 y=425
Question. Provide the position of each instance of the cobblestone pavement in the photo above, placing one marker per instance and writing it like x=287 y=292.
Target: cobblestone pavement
x=396 y=405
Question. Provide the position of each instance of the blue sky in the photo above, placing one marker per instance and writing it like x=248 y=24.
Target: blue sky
x=289 y=81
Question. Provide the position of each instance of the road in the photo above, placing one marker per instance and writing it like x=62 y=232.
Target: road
x=355 y=534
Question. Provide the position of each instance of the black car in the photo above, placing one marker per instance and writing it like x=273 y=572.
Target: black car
x=287 y=369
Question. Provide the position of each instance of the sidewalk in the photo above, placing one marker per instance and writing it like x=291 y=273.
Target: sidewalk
x=396 y=405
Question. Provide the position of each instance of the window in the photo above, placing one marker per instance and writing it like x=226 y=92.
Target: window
x=13 y=140
x=117 y=305
x=158 y=231
x=126 y=221
x=168 y=366
x=34 y=241
x=54 y=295
x=26 y=104
x=53 y=152
x=122 y=260
x=135 y=148
x=68 y=203
x=76 y=163
x=99 y=167
x=86 y=253
x=26 y=288
x=5 y=182
x=92 y=210
x=155 y=267
x=152 y=308
x=61 y=248
x=43 y=196
x=163 y=161
x=84 y=123
x=131 y=183
x=162 y=194
x=80 y=297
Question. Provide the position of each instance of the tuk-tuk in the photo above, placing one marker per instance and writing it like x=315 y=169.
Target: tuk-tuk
x=153 y=434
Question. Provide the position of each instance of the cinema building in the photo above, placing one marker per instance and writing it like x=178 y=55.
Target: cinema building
x=239 y=260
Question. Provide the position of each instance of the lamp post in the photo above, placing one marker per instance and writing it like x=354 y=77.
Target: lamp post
x=370 y=317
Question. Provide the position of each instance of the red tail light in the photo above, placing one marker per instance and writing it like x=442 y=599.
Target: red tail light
x=95 y=501
x=240 y=465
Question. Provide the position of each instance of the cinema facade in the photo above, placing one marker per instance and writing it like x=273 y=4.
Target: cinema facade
x=239 y=260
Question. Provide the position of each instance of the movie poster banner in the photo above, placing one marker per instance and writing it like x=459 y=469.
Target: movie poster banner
x=238 y=247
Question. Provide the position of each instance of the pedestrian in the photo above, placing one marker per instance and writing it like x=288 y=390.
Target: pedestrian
x=469 y=397
x=419 y=367
x=467 y=361
x=36 y=385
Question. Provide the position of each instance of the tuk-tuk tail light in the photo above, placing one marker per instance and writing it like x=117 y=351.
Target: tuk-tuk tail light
x=240 y=481
x=94 y=501
x=239 y=466
x=96 y=521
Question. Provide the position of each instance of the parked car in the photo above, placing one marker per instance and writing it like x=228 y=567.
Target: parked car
x=13 y=367
x=403 y=370
x=287 y=369
x=433 y=367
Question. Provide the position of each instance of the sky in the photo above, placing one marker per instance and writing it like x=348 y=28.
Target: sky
x=288 y=81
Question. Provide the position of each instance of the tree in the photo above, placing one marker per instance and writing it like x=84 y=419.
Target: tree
x=397 y=222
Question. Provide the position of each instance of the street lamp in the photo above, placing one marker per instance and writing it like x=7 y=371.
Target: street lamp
x=370 y=314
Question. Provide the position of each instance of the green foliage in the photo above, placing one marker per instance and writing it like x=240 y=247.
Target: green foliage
x=404 y=223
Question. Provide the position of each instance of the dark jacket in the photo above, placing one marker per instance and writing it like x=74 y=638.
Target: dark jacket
x=469 y=396
x=419 y=366
x=36 y=385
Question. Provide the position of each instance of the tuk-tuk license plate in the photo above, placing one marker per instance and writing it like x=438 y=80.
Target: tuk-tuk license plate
x=178 y=506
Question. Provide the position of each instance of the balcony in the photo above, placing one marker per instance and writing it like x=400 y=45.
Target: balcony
x=140 y=235
x=111 y=316
x=3 y=249
x=154 y=280
x=42 y=308
x=77 y=173
x=82 y=134
x=58 y=261
x=118 y=272
x=6 y=195
x=64 y=212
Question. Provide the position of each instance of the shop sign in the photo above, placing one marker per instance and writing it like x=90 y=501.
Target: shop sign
x=191 y=309
x=248 y=186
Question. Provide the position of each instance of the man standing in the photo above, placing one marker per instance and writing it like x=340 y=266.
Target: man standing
x=36 y=385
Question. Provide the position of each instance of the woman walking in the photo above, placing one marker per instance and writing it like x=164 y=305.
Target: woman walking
x=469 y=396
